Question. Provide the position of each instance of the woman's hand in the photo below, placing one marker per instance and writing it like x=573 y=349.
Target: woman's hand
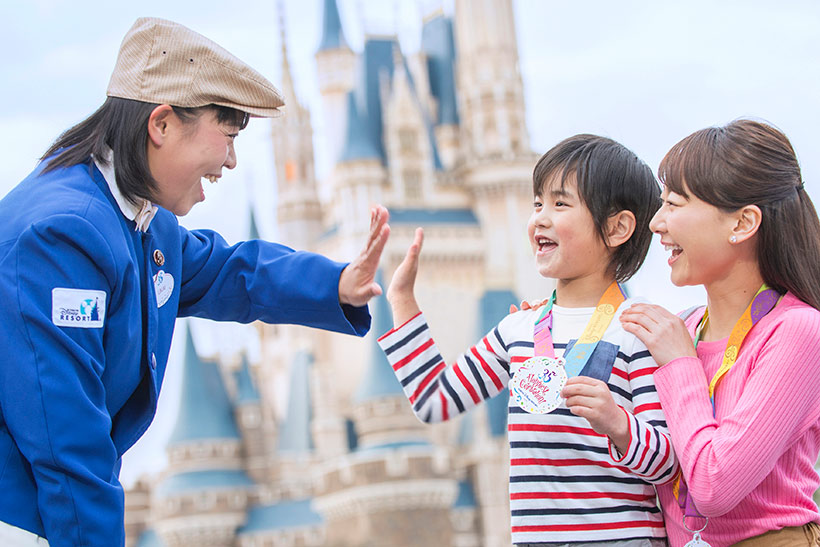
x=664 y=334
x=590 y=398
x=401 y=292
x=527 y=306
x=357 y=283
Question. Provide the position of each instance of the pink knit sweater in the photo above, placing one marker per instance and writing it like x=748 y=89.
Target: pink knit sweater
x=750 y=469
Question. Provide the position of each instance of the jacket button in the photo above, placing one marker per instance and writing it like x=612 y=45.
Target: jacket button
x=159 y=258
x=153 y=361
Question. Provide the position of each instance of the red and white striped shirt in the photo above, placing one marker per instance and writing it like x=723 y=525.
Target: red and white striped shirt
x=567 y=483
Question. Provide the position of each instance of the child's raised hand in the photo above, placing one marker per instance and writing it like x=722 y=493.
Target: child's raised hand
x=401 y=294
x=664 y=334
x=590 y=398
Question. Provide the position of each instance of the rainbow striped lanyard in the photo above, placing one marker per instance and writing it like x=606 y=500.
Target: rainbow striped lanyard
x=577 y=357
x=763 y=302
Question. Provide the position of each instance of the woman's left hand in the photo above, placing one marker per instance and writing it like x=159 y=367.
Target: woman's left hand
x=357 y=283
x=590 y=398
x=664 y=334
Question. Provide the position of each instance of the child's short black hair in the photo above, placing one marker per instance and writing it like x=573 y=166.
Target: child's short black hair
x=610 y=178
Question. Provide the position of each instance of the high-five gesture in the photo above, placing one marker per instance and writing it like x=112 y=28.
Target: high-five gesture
x=400 y=293
x=357 y=283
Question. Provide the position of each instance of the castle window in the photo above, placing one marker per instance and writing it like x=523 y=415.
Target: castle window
x=412 y=185
x=408 y=140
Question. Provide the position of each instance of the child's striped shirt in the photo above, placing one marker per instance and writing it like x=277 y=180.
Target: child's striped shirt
x=567 y=483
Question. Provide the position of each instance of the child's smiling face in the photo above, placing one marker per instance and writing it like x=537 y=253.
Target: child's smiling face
x=563 y=235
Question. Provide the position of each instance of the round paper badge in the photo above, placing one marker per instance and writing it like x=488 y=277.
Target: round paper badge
x=536 y=386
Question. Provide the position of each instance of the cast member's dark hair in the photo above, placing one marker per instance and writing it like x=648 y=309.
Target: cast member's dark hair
x=610 y=178
x=122 y=126
x=749 y=162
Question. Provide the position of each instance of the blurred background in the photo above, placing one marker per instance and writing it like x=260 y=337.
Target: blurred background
x=276 y=435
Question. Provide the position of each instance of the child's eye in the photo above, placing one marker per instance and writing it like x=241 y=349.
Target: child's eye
x=537 y=205
x=560 y=204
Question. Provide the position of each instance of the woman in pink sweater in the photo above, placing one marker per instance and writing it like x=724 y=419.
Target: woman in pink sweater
x=743 y=402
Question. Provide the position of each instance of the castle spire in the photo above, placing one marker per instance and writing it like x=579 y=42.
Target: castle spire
x=205 y=412
x=288 y=88
x=333 y=36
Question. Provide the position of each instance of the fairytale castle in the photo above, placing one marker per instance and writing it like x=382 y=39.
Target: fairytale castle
x=338 y=459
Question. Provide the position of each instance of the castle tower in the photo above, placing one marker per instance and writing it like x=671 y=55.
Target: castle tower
x=488 y=458
x=395 y=479
x=335 y=65
x=255 y=426
x=439 y=50
x=285 y=515
x=296 y=447
x=498 y=162
x=410 y=156
x=490 y=86
x=202 y=497
x=298 y=209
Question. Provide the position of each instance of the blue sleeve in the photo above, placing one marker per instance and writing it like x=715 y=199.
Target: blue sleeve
x=54 y=400
x=259 y=280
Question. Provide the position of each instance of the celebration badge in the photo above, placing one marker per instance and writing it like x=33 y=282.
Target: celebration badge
x=536 y=386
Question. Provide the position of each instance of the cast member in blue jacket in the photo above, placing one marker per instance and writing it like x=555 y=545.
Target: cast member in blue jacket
x=94 y=271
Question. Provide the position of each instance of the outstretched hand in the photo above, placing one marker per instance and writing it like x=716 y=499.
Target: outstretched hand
x=357 y=283
x=401 y=292
x=664 y=334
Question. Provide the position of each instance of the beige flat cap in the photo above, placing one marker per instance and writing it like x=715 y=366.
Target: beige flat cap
x=163 y=62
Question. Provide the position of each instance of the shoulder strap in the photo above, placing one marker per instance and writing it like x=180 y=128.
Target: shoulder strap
x=685 y=314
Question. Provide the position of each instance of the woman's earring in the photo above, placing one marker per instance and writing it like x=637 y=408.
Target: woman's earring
x=733 y=239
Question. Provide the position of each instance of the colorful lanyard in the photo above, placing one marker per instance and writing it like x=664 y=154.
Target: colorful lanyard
x=580 y=353
x=763 y=302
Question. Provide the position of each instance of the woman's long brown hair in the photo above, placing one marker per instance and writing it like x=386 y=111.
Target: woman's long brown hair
x=749 y=162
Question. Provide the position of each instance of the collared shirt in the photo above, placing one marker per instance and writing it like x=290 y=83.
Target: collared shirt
x=143 y=214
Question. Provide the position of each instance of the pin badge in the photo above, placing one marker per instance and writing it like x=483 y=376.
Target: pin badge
x=159 y=258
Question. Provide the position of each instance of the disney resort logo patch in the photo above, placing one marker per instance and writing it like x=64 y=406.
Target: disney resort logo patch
x=83 y=308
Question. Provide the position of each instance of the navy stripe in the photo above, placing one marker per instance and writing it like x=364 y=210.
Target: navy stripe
x=422 y=369
x=427 y=416
x=427 y=394
x=623 y=393
x=558 y=446
x=639 y=436
x=503 y=365
x=406 y=339
x=634 y=356
x=520 y=344
x=657 y=423
x=648 y=466
x=643 y=390
x=452 y=392
x=477 y=376
x=586 y=478
x=666 y=473
x=584 y=511
x=500 y=340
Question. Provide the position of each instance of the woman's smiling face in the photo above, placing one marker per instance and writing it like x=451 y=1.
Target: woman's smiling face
x=697 y=234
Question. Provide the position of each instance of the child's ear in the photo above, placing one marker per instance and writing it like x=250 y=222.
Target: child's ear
x=619 y=228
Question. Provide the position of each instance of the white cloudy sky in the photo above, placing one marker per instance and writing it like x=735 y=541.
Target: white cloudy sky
x=644 y=73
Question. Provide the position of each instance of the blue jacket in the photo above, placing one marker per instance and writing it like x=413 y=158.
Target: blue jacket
x=88 y=313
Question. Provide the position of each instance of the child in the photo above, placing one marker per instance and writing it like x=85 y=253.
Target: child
x=585 y=471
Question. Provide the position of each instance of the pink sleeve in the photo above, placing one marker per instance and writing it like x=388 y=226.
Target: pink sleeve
x=723 y=463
